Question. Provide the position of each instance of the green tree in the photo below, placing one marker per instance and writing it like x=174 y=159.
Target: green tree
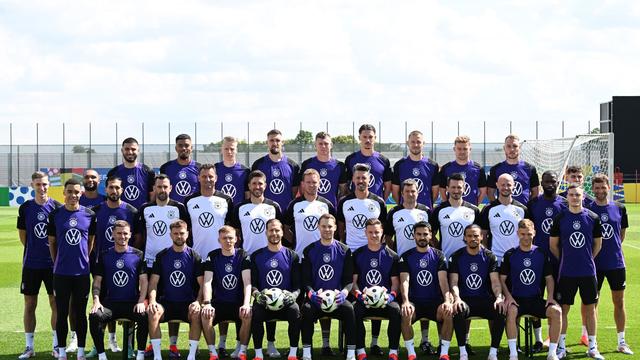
x=79 y=149
x=343 y=139
x=304 y=137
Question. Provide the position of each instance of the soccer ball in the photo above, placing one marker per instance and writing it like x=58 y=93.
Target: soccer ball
x=376 y=297
x=328 y=301
x=275 y=298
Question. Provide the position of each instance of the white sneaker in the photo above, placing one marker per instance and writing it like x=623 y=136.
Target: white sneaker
x=595 y=354
x=306 y=358
x=464 y=357
x=54 y=353
x=140 y=356
x=495 y=357
x=552 y=357
x=113 y=345
x=625 y=349
x=561 y=353
x=235 y=353
x=73 y=344
x=27 y=353
x=272 y=352
x=513 y=357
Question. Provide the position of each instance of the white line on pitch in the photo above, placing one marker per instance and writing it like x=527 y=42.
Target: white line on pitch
x=631 y=246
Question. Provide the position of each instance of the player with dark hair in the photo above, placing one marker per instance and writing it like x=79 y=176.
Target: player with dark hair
x=576 y=239
x=282 y=173
x=231 y=174
x=137 y=178
x=575 y=175
x=333 y=173
x=175 y=289
x=37 y=266
x=327 y=266
x=226 y=293
x=182 y=171
x=416 y=166
x=475 y=285
x=400 y=220
x=379 y=165
x=375 y=264
x=526 y=183
x=425 y=290
x=610 y=264
x=119 y=289
x=71 y=235
x=524 y=273
x=90 y=181
x=475 y=179
x=275 y=266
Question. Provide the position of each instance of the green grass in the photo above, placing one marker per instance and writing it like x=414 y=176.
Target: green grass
x=11 y=307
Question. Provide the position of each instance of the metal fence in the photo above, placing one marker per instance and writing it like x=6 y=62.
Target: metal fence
x=19 y=160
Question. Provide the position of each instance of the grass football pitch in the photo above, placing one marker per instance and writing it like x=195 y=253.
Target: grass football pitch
x=11 y=308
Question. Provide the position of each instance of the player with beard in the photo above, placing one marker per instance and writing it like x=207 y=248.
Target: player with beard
x=154 y=219
x=249 y=218
x=90 y=196
x=275 y=266
x=525 y=175
x=610 y=262
x=327 y=265
x=379 y=165
x=475 y=285
x=175 y=289
x=475 y=179
x=71 y=236
x=37 y=266
x=524 y=274
x=119 y=289
x=416 y=166
x=183 y=171
x=542 y=210
x=137 y=178
x=107 y=213
x=425 y=290
x=232 y=175
x=333 y=173
x=499 y=220
x=576 y=239
x=282 y=173
x=375 y=264
x=226 y=292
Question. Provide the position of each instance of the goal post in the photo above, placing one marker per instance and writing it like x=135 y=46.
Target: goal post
x=592 y=152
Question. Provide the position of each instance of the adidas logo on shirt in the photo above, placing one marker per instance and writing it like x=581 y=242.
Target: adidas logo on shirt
x=301 y=211
x=447 y=216
x=496 y=215
x=401 y=220
x=246 y=214
x=350 y=208
x=197 y=206
x=151 y=216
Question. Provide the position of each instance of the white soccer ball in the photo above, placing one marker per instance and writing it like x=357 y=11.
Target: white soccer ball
x=376 y=297
x=275 y=298
x=328 y=301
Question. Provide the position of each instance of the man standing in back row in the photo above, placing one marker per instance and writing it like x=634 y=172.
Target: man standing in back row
x=232 y=175
x=419 y=168
x=183 y=171
x=137 y=178
x=475 y=179
x=333 y=173
x=379 y=165
x=525 y=176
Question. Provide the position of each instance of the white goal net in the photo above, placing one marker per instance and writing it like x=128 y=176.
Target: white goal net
x=592 y=152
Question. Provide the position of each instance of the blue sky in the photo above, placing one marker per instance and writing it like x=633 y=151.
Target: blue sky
x=314 y=62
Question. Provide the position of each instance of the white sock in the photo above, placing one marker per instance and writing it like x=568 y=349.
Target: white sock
x=538 y=334
x=592 y=342
x=553 y=347
x=242 y=349
x=561 y=341
x=425 y=334
x=271 y=345
x=293 y=351
x=410 y=348
x=513 y=347
x=374 y=340
x=102 y=356
x=62 y=353
x=193 y=347
x=54 y=339
x=259 y=353
x=621 y=338
x=28 y=338
x=212 y=349
x=493 y=351
x=444 y=347
x=80 y=351
x=584 y=331
x=222 y=343
x=351 y=352
x=73 y=335
x=173 y=340
x=157 y=349
x=306 y=351
x=463 y=350
x=360 y=351
x=112 y=337
x=393 y=351
x=325 y=338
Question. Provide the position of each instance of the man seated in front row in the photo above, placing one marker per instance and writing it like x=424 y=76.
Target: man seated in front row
x=175 y=289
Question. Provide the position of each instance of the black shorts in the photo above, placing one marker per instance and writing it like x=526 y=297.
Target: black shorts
x=175 y=311
x=568 y=286
x=481 y=307
x=32 y=279
x=617 y=279
x=532 y=306
x=427 y=310
x=226 y=312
